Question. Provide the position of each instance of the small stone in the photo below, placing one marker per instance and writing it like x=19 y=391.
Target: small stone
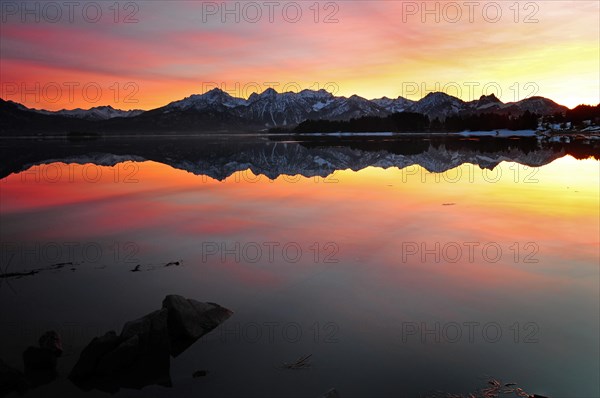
x=200 y=373
x=51 y=341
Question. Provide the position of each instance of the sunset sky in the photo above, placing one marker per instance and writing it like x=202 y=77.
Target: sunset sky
x=149 y=53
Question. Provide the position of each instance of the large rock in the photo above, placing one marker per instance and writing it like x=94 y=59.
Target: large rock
x=91 y=355
x=121 y=358
x=140 y=355
x=190 y=319
x=143 y=356
x=140 y=340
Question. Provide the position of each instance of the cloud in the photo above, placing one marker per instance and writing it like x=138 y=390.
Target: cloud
x=371 y=50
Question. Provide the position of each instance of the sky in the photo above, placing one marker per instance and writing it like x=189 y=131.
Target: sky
x=145 y=54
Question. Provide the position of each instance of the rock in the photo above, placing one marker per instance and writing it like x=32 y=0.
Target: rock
x=36 y=358
x=11 y=380
x=199 y=373
x=40 y=365
x=332 y=393
x=51 y=341
x=143 y=357
x=122 y=357
x=40 y=362
x=91 y=355
x=140 y=355
x=151 y=328
x=190 y=319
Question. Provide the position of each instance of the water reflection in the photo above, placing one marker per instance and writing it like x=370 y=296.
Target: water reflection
x=221 y=156
x=398 y=281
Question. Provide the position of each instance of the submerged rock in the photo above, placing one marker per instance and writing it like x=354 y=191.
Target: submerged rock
x=140 y=355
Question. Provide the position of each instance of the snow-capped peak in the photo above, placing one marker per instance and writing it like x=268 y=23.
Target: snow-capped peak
x=216 y=96
x=321 y=95
x=103 y=112
x=539 y=105
x=399 y=104
x=487 y=102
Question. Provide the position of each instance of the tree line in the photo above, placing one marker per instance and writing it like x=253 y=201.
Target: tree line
x=576 y=115
x=415 y=122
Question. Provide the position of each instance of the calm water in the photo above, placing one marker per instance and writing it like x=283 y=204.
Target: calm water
x=398 y=281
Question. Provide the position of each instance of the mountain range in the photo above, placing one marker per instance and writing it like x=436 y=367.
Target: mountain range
x=216 y=110
x=95 y=113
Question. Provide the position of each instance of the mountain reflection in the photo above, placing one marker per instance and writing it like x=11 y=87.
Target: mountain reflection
x=219 y=157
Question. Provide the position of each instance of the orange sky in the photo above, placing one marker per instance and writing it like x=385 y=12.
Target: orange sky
x=168 y=50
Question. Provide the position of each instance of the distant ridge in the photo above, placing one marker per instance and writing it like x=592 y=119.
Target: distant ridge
x=217 y=110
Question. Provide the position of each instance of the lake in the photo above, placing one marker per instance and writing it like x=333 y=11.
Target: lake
x=402 y=265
